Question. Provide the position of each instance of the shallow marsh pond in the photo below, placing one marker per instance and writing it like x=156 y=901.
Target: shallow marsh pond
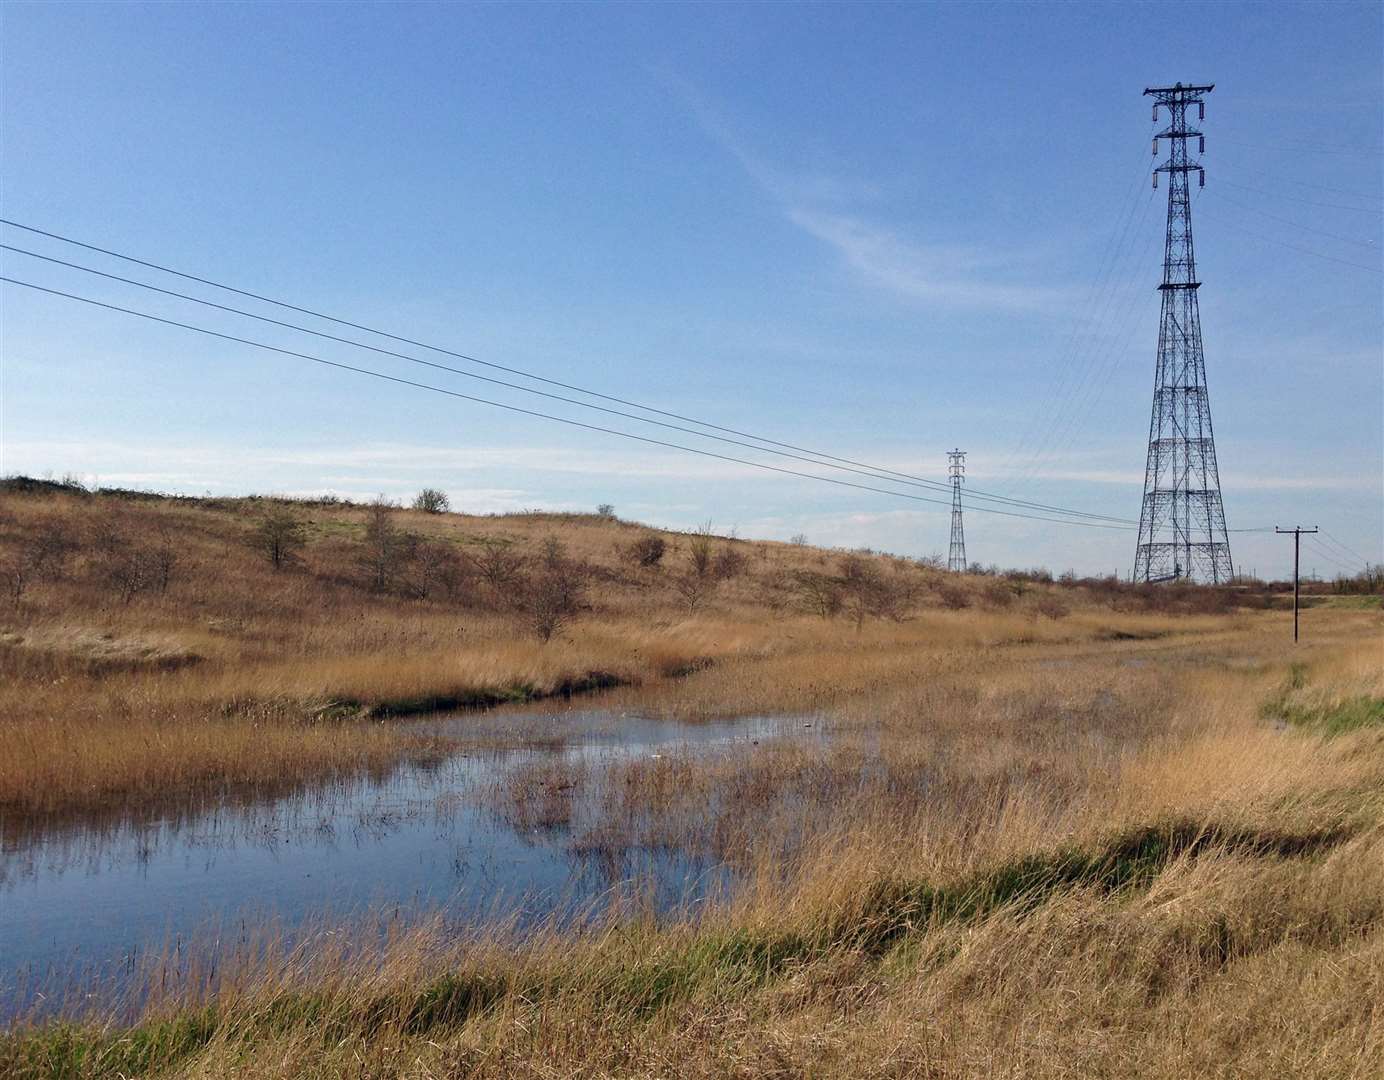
x=487 y=833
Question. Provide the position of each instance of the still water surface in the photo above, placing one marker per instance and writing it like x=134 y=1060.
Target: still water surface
x=83 y=903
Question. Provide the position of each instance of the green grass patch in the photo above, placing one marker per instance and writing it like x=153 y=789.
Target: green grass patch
x=1326 y=716
x=638 y=978
x=327 y=528
x=1337 y=717
x=68 y=1052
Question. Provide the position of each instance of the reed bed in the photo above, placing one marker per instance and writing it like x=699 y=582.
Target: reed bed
x=1114 y=842
x=220 y=672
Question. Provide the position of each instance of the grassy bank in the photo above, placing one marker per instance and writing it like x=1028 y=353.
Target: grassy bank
x=1056 y=830
x=1212 y=906
x=153 y=648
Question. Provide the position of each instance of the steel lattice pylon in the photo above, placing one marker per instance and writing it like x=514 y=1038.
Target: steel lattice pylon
x=1182 y=530
x=956 y=469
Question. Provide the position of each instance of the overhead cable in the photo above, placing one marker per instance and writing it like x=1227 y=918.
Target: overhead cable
x=816 y=457
x=535 y=413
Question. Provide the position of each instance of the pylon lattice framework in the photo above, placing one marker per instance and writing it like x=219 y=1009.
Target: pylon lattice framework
x=1182 y=531
x=956 y=469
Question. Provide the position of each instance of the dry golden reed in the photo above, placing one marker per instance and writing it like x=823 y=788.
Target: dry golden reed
x=1126 y=842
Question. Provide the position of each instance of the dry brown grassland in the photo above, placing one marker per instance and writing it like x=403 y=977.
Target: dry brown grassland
x=1056 y=832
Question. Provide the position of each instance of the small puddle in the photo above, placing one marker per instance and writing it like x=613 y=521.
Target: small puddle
x=87 y=906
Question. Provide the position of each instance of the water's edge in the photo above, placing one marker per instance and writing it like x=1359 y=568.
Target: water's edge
x=501 y=828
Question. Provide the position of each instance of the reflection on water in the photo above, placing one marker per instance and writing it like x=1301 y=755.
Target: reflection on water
x=84 y=902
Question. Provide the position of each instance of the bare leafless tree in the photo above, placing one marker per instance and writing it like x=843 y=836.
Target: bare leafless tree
x=698 y=580
x=866 y=592
x=386 y=547
x=953 y=596
x=502 y=570
x=699 y=551
x=1051 y=606
x=125 y=568
x=279 y=536
x=554 y=595
x=1000 y=594
x=819 y=593
x=49 y=548
x=728 y=563
x=694 y=588
x=14 y=576
x=42 y=551
x=442 y=574
x=162 y=559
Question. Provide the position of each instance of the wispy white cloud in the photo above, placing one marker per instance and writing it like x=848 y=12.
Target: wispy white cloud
x=370 y=463
x=882 y=256
x=827 y=208
x=369 y=468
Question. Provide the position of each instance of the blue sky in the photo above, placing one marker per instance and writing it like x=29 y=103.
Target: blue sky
x=878 y=231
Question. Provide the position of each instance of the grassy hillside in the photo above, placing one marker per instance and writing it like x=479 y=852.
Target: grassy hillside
x=1059 y=829
x=150 y=646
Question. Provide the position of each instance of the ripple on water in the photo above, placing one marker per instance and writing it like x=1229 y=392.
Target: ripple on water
x=80 y=904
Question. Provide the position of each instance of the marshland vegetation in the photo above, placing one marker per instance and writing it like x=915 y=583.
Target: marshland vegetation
x=153 y=646
x=1051 y=828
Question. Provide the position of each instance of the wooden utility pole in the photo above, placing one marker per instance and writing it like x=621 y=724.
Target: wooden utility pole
x=1297 y=552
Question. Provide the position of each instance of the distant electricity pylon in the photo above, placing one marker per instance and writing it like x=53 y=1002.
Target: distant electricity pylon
x=1182 y=530
x=956 y=469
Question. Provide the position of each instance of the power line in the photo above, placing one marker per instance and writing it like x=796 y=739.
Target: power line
x=1083 y=360
x=1338 y=191
x=864 y=471
x=533 y=412
x=1091 y=383
x=1350 y=551
x=516 y=386
x=1298 y=198
x=1094 y=390
x=1097 y=365
x=1307 y=183
x=1040 y=420
x=1297 y=225
x=1365 y=151
x=1335 y=560
x=1302 y=250
x=817 y=457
